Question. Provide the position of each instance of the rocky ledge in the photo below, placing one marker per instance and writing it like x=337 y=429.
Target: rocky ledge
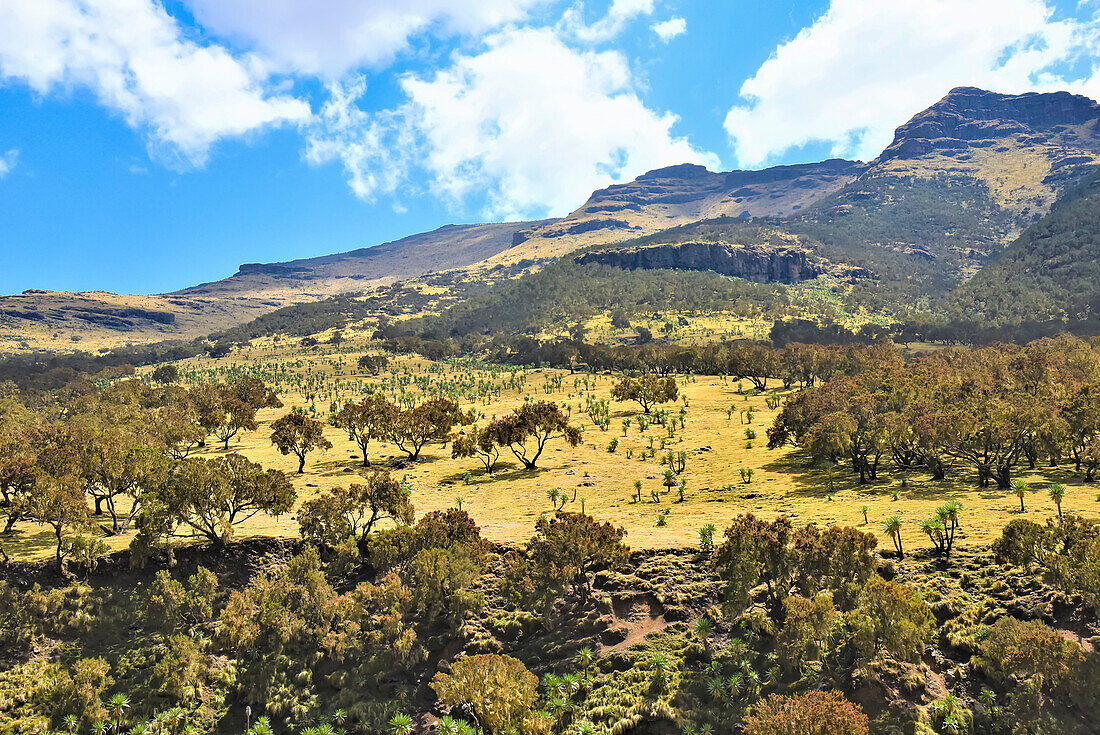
x=751 y=262
x=970 y=117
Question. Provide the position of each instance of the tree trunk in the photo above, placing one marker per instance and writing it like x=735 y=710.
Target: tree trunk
x=57 y=552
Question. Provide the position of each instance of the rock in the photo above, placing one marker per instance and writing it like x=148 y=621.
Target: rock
x=759 y=263
x=974 y=118
x=614 y=635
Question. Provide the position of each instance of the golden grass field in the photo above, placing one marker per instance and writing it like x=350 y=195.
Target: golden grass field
x=506 y=505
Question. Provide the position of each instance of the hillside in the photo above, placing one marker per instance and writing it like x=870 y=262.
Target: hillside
x=44 y=319
x=959 y=182
x=1052 y=271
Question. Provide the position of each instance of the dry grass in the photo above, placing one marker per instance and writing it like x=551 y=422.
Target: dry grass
x=507 y=505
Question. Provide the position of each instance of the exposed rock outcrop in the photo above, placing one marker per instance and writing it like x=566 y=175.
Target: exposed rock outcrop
x=752 y=262
x=969 y=117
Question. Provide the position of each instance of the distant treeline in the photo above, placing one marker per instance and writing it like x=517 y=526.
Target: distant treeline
x=663 y=357
x=49 y=371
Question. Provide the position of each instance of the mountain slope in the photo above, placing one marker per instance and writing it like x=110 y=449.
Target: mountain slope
x=451 y=246
x=1052 y=271
x=58 y=320
x=963 y=178
x=678 y=195
x=959 y=182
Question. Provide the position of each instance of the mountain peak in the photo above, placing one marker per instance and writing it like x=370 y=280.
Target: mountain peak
x=679 y=171
x=971 y=117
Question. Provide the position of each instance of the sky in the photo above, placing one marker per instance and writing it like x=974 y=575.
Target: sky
x=149 y=145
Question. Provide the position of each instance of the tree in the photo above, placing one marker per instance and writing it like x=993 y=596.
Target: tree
x=893 y=530
x=413 y=428
x=212 y=496
x=228 y=409
x=17 y=462
x=166 y=374
x=333 y=517
x=986 y=416
x=892 y=620
x=373 y=364
x=775 y=554
x=118 y=458
x=527 y=429
x=500 y=688
x=565 y=550
x=1057 y=492
x=369 y=419
x=299 y=434
x=805 y=634
x=755 y=361
x=941 y=527
x=647 y=391
x=1016 y=649
x=1020 y=490
x=478 y=442
x=58 y=502
x=177 y=426
x=812 y=713
x=847 y=417
x=170 y=604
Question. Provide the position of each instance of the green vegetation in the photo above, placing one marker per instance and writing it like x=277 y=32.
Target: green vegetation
x=1049 y=272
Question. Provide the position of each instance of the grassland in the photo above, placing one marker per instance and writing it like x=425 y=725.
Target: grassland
x=507 y=503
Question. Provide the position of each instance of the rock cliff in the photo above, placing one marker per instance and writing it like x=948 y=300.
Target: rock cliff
x=751 y=262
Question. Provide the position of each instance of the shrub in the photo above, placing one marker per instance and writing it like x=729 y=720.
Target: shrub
x=1017 y=649
x=812 y=713
x=500 y=688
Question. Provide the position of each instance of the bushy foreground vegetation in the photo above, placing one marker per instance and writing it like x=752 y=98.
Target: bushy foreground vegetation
x=779 y=629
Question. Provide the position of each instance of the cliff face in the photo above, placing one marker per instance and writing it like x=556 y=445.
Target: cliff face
x=753 y=263
x=974 y=118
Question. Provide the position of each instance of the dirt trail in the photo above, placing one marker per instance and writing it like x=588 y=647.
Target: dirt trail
x=640 y=616
x=1084 y=643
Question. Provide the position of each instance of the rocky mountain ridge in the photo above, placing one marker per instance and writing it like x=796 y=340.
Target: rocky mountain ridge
x=959 y=182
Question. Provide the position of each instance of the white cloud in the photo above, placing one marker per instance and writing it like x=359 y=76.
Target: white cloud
x=529 y=122
x=8 y=161
x=621 y=13
x=670 y=29
x=537 y=125
x=186 y=96
x=331 y=37
x=374 y=150
x=863 y=68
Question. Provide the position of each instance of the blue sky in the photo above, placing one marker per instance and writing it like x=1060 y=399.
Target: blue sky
x=146 y=146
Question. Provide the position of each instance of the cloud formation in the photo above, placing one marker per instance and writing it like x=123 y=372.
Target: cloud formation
x=8 y=161
x=669 y=29
x=863 y=68
x=374 y=150
x=619 y=15
x=528 y=121
x=332 y=37
x=538 y=125
x=184 y=95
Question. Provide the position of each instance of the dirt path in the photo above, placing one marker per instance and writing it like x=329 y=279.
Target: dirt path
x=640 y=616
